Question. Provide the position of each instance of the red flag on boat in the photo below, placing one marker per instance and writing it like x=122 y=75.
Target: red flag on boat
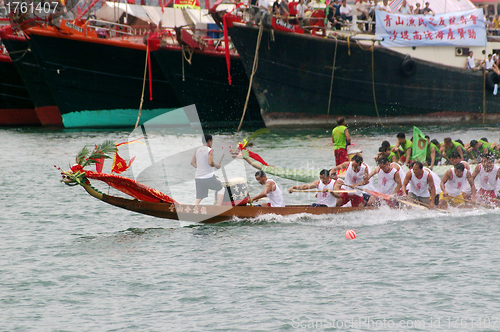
x=251 y=154
x=99 y=162
x=119 y=164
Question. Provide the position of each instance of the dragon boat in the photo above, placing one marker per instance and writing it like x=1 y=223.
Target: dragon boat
x=149 y=201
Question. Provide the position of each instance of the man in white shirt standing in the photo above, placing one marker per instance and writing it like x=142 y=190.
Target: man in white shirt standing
x=263 y=5
x=203 y=161
x=404 y=9
x=301 y=12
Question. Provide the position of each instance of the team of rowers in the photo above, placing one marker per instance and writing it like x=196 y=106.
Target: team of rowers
x=419 y=185
x=437 y=151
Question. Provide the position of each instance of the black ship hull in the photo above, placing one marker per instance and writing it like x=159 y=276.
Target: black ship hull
x=204 y=82
x=293 y=83
x=97 y=82
x=27 y=67
x=16 y=107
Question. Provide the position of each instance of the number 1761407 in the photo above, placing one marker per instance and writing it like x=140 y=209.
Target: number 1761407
x=23 y=7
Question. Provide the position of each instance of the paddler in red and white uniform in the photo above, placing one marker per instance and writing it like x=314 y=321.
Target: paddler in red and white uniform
x=389 y=180
x=326 y=185
x=356 y=175
x=455 y=158
x=271 y=190
x=421 y=185
x=488 y=174
x=454 y=181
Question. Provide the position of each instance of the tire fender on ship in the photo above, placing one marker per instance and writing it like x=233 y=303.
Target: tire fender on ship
x=408 y=67
x=491 y=79
x=267 y=20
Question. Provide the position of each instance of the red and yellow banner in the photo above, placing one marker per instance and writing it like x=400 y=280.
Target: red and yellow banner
x=193 y=4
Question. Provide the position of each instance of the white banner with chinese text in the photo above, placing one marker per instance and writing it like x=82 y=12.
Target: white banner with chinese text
x=464 y=28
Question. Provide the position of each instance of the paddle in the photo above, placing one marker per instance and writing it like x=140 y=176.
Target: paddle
x=476 y=203
x=426 y=205
x=386 y=197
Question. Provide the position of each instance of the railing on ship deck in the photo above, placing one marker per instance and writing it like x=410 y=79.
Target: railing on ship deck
x=111 y=29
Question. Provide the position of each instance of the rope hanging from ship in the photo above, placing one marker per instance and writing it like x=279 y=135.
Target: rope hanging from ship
x=333 y=75
x=21 y=57
x=373 y=83
x=190 y=51
x=372 y=49
x=254 y=70
x=143 y=84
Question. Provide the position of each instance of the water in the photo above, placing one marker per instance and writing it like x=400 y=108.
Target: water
x=72 y=263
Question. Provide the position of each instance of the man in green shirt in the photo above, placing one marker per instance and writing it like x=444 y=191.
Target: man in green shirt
x=432 y=156
x=448 y=146
x=403 y=148
x=483 y=146
x=340 y=139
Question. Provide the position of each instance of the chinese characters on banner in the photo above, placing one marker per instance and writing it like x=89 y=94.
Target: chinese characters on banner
x=464 y=28
x=193 y=4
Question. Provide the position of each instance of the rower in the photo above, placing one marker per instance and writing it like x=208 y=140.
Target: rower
x=385 y=150
x=271 y=190
x=421 y=182
x=356 y=175
x=326 y=185
x=488 y=174
x=433 y=157
x=389 y=181
x=448 y=147
x=483 y=146
x=454 y=181
x=455 y=158
x=403 y=147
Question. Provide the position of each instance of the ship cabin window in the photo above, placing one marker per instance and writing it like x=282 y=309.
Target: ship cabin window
x=462 y=51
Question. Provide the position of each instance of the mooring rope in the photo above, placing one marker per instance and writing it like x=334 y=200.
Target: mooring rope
x=333 y=75
x=143 y=85
x=373 y=83
x=254 y=70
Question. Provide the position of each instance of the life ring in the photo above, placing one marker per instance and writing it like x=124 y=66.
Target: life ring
x=408 y=67
x=492 y=79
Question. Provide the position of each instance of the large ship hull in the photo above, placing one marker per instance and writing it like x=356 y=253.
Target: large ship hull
x=204 y=82
x=16 y=107
x=99 y=82
x=27 y=67
x=293 y=83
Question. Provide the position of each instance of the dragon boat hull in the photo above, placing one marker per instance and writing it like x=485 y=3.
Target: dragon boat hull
x=210 y=214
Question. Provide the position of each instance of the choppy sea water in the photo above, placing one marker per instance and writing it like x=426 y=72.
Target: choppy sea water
x=73 y=263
